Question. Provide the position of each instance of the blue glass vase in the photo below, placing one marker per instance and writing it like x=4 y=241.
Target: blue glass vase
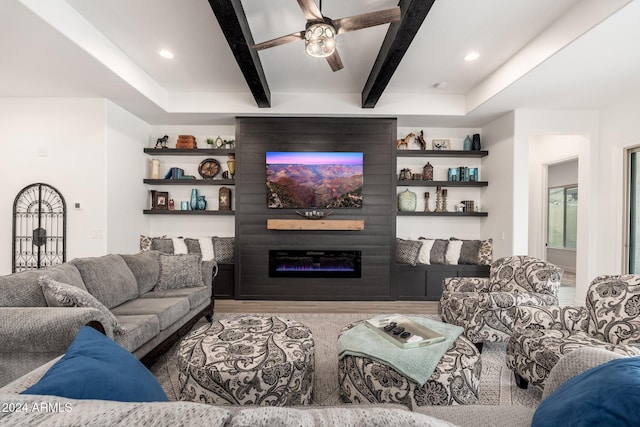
x=467 y=143
x=202 y=203
x=194 y=199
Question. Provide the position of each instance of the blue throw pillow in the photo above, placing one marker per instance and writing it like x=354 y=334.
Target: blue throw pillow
x=607 y=395
x=95 y=367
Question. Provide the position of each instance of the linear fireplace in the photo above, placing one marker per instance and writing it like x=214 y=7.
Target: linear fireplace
x=314 y=263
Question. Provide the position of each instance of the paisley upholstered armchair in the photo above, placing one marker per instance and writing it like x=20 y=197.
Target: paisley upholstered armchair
x=482 y=306
x=610 y=320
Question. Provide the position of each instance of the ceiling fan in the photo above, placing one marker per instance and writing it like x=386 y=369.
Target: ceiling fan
x=320 y=32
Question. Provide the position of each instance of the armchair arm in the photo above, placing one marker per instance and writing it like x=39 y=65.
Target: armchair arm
x=568 y=318
x=465 y=284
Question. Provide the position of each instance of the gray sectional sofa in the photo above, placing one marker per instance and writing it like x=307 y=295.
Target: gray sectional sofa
x=145 y=302
x=108 y=413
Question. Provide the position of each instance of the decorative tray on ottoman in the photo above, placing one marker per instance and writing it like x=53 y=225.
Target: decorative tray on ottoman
x=403 y=332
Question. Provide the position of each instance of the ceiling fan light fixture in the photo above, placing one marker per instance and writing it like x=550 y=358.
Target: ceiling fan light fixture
x=320 y=40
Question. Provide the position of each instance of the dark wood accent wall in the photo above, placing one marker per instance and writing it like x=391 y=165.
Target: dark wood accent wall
x=376 y=139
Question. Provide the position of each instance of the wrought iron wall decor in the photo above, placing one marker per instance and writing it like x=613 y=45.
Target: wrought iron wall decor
x=39 y=228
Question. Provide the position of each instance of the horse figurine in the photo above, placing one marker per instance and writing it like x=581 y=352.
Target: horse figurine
x=162 y=142
x=420 y=140
x=405 y=141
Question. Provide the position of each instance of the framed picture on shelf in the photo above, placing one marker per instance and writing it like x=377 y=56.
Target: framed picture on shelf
x=161 y=200
x=440 y=144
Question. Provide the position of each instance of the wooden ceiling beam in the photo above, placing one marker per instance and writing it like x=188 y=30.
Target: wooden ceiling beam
x=396 y=42
x=234 y=25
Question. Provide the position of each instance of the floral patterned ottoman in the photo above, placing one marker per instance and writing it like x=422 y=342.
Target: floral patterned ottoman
x=455 y=381
x=248 y=360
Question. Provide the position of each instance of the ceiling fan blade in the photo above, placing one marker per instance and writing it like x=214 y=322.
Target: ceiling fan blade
x=310 y=10
x=280 y=40
x=366 y=20
x=334 y=61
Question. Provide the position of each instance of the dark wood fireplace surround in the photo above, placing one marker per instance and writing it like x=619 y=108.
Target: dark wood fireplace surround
x=380 y=279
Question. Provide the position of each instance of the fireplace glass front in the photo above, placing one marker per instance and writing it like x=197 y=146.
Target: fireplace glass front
x=314 y=263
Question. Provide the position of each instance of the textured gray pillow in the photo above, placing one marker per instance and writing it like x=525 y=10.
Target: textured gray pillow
x=439 y=251
x=164 y=245
x=223 y=249
x=407 y=251
x=145 y=269
x=62 y=295
x=179 y=271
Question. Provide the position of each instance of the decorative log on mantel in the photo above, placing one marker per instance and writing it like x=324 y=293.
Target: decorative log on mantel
x=319 y=224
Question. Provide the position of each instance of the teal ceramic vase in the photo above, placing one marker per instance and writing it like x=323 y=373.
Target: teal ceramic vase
x=193 y=202
x=202 y=203
x=467 y=143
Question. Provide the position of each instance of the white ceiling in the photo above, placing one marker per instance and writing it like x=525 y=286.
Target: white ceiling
x=551 y=54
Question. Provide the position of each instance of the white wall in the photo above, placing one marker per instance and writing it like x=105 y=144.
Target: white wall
x=619 y=132
x=126 y=136
x=498 y=196
x=71 y=131
x=531 y=123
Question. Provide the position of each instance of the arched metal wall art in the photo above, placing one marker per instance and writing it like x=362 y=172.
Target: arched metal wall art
x=39 y=228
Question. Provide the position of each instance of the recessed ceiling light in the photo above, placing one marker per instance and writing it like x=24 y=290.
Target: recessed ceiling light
x=471 y=56
x=440 y=85
x=166 y=54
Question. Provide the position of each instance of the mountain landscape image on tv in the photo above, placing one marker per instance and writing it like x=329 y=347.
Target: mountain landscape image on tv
x=305 y=180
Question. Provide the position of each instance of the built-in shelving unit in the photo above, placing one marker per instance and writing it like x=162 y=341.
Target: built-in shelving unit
x=200 y=152
x=427 y=183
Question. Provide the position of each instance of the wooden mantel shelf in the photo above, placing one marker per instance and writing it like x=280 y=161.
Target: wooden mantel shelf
x=315 y=224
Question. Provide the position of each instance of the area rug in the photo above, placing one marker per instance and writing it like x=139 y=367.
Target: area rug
x=497 y=386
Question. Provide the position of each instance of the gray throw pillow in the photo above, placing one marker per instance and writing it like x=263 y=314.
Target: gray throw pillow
x=162 y=244
x=439 y=251
x=407 y=251
x=223 y=249
x=179 y=271
x=469 y=253
x=62 y=295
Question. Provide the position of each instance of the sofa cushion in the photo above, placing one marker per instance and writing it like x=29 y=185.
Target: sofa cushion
x=606 y=395
x=107 y=278
x=179 y=271
x=452 y=256
x=62 y=295
x=22 y=289
x=168 y=310
x=196 y=296
x=139 y=330
x=145 y=268
x=407 y=251
x=439 y=251
x=223 y=248
x=95 y=367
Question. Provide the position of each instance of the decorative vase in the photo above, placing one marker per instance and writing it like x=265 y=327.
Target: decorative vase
x=194 y=199
x=231 y=164
x=407 y=201
x=202 y=203
x=155 y=169
x=475 y=144
x=467 y=143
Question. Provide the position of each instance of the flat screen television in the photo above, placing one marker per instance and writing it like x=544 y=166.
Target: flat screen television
x=311 y=180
